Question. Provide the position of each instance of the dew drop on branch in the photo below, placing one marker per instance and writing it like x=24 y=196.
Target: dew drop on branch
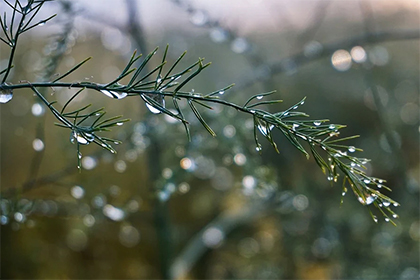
x=6 y=94
x=114 y=94
x=84 y=139
x=352 y=149
x=264 y=129
x=386 y=203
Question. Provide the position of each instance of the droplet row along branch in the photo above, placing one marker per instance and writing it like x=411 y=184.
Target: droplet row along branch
x=307 y=130
x=153 y=93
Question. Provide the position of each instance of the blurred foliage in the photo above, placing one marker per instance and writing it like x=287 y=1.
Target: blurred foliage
x=251 y=216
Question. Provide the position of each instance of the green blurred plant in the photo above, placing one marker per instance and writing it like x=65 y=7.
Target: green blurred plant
x=321 y=138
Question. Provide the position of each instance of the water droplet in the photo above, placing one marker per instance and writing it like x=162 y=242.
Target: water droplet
x=380 y=181
x=396 y=204
x=317 y=123
x=264 y=130
x=114 y=94
x=366 y=181
x=89 y=163
x=302 y=136
x=370 y=200
x=358 y=54
x=394 y=216
x=120 y=166
x=199 y=18
x=37 y=109
x=6 y=94
x=259 y=97
x=286 y=113
x=41 y=23
x=312 y=49
x=89 y=220
x=77 y=192
x=387 y=219
x=114 y=213
x=239 y=45
x=19 y=217
x=258 y=148
x=119 y=124
x=129 y=236
x=332 y=126
x=375 y=219
x=212 y=237
x=219 y=35
x=81 y=138
x=295 y=125
x=38 y=145
x=4 y=220
x=386 y=203
x=343 y=193
x=341 y=60
x=352 y=149
x=361 y=200
x=239 y=159
x=330 y=178
x=352 y=164
x=221 y=92
x=379 y=186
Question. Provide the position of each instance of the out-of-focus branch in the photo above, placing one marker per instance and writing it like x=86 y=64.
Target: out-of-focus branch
x=301 y=59
x=225 y=223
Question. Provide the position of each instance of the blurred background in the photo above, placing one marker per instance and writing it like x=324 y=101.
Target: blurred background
x=213 y=208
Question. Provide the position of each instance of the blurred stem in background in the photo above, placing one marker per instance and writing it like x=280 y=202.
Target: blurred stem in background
x=154 y=153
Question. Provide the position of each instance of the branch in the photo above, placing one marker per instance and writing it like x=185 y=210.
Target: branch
x=301 y=59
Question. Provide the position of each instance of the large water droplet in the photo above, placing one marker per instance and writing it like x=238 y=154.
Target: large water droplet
x=259 y=97
x=317 y=123
x=264 y=130
x=114 y=94
x=159 y=99
x=6 y=94
x=352 y=149
x=370 y=200
x=83 y=139
x=152 y=109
